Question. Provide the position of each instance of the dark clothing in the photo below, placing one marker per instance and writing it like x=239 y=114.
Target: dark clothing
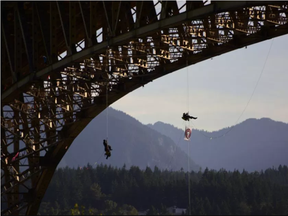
x=108 y=154
x=107 y=149
x=187 y=117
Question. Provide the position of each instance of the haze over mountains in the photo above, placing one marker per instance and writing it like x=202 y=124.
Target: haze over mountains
x=254 y=144
x=132 y=142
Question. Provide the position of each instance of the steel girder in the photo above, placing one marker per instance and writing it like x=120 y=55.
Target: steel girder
x=61 y=59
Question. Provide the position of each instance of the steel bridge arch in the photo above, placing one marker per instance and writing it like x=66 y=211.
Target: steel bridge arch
x=47 y=101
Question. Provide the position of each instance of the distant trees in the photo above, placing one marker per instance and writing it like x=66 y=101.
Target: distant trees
x=107 y=190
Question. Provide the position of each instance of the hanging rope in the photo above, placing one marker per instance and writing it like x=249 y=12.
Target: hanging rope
x=187 y=85
x=107 y=89
x=107 y=69
x=99 y=157
x=188 y=141
x=260 y=75
x=173 y=156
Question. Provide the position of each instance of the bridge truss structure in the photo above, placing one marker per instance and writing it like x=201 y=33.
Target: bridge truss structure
x=61 y=59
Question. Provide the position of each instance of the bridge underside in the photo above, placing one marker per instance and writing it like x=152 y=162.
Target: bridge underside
x=63 y=62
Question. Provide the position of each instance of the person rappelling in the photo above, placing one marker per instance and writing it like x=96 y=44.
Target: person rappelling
x=187 y=117
x=107 y=149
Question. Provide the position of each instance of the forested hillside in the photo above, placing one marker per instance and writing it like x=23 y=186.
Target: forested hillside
x=109 y=190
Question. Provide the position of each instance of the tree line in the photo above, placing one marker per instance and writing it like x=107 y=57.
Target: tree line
x=109 y=190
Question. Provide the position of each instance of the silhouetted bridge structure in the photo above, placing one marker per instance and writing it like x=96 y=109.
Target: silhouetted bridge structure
x=60 y=60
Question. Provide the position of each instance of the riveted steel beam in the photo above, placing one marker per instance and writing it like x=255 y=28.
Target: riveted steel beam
x=44 y=29
x=94 y=17
x=139 y=9
x=87 y=36
x=54 y=17
x=64 y=30
x=108 y=22
x=17 y=46
x=116 y=19
x=164 y=10
x=35 y=39
x=72 y=26
x=26 y=34
x=10 y=59
x=129 y=25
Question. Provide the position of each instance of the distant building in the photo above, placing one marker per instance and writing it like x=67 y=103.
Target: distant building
x=176 y=211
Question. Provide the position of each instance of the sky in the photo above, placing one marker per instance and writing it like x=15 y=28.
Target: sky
x=218 y=90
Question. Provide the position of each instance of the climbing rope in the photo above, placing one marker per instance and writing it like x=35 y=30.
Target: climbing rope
x=107 y=89
x=188 y=141
x=99 y=157
x=187 y=85
x=177 y=145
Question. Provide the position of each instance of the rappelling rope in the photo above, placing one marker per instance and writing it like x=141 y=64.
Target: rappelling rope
x=107 y=110
x=99 y=157
x=187 y=85
x=188 y=141
x=177 y=147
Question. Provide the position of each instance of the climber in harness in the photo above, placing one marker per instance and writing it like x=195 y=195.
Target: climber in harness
x=186 y=117
x=107 y=149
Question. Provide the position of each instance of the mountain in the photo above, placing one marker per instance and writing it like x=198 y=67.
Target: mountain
x=133 y=143
x=253 y=145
